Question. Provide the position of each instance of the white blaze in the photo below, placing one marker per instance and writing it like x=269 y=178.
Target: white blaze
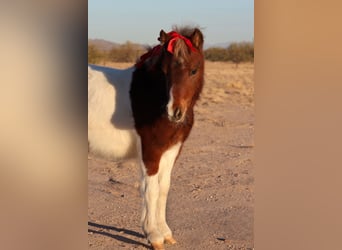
x=170 y=104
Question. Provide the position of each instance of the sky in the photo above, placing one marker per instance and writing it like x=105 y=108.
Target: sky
x=140 y=21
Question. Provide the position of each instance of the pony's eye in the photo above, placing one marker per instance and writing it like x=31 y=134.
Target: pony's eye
x=193 y=72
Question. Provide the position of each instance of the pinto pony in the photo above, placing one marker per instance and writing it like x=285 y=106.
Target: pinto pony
x=147 y=112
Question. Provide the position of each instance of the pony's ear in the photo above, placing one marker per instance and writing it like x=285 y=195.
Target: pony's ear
x=162 y=37
x=197 y=39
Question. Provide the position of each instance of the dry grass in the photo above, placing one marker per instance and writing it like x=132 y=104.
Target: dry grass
x=225 y=80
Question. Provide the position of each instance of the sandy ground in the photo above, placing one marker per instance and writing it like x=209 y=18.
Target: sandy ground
x=211 y=199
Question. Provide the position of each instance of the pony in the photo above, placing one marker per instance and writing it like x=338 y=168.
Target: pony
x=146 y=112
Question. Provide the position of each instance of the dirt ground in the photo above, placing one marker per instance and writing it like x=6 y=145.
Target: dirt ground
x=211 y=199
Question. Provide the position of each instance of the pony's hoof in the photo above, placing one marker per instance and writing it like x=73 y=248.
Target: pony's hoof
x=170 y=240
x=158 y=246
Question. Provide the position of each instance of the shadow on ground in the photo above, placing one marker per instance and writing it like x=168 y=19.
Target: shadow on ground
x=99 y=229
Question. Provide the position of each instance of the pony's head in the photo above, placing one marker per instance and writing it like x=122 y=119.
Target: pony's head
x=183 y=65
x=180 y=56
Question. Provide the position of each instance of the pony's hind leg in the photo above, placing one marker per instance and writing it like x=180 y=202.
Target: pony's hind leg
x=142 y=192
x=164 y=177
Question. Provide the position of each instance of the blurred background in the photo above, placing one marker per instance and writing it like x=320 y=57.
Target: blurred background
x=43 y=145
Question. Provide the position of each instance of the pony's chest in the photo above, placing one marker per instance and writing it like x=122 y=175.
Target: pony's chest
x=164 y=133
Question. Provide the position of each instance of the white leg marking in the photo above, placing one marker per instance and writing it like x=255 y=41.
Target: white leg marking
x=164 y=176
x=170 y=104
x=142 y=183
x=142 y=192
x=150 y=193
x=150 y=225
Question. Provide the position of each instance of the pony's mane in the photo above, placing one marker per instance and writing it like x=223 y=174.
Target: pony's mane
x=185 y=30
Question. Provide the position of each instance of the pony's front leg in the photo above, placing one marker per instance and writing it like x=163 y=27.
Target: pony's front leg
x=149 y=218
x=165 y=167
x=164 y=185
x=150 y=192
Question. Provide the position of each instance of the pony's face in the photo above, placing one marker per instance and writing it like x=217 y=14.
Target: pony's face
x=183 y=65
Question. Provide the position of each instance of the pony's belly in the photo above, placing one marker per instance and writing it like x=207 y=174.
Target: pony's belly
x=113 y=143
x=107 y=137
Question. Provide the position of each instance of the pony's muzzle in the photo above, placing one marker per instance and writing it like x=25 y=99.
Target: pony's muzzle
x=177 y=115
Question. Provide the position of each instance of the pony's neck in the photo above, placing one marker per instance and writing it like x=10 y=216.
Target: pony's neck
x=149 y=95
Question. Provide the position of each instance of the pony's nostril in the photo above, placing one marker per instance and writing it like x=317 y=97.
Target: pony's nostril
x=178 y=114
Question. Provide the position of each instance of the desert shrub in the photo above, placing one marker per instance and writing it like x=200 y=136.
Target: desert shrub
x=241 y=52
x=94 y=55
x=235 y=52
x=127 y=52
x=216 y=54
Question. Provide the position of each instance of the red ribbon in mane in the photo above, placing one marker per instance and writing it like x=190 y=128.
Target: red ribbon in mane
x=174 y=37
x=155 y=51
